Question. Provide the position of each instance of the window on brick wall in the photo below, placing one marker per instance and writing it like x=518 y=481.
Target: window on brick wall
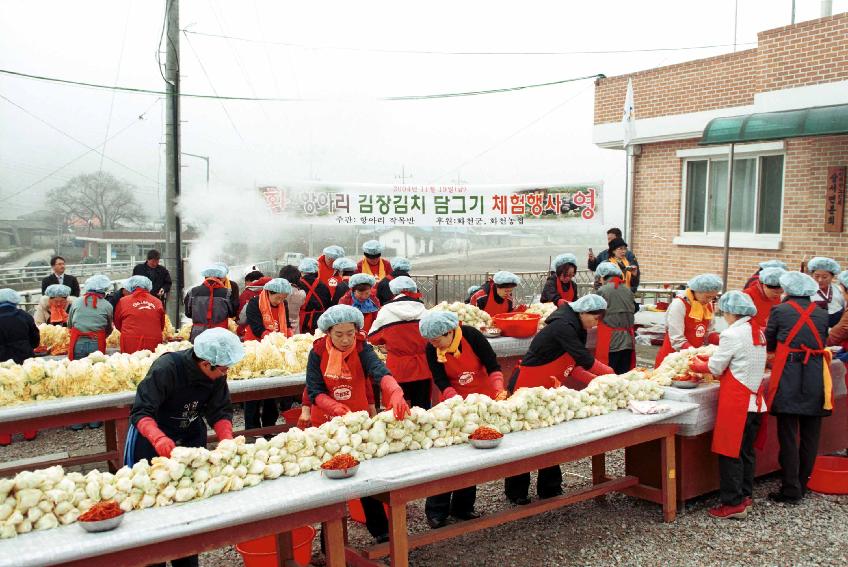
x=757 y=195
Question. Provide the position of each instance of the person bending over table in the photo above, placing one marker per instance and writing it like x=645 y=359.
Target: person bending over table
x=689 y=320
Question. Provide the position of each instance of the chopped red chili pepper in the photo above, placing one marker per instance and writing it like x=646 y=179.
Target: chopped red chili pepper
x=101 y=511
x=341 y=461
x=485 y=434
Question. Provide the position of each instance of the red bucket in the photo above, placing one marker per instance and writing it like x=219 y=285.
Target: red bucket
x=519 y=325
x=357 y=514
x=262 y=552
x=291 y=416
x=830 y=475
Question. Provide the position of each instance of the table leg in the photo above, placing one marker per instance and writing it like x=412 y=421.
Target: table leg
x=669 y=479
x=111 y=443
x=398 y=543
x=334 y=543
x=285 y=555
x=599 y=472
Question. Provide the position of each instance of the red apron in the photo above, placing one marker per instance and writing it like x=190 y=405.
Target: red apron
x=569 y=295
x=604 y=337
x=99 y=336
x=349 y=391
x=734 y=399
x=544 y=375
x=332 y=283
x=308 y=319
x=325 y=272
x=492 y=306
x=694 y=331
x=762 y=303
x=466 y=373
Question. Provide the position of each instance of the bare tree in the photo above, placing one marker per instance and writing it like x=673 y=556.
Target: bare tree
x=99 y=198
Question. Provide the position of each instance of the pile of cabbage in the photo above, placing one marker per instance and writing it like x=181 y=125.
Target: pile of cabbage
x=54 y=338
x=168 y=333
x=47 y=498
x=274 y=355
x=470 y=315
x=677 y=363
x=544 y=310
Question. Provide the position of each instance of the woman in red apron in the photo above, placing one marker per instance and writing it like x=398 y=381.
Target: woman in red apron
x=824 y=271
x=557 y=356
x=363 y=297
x=90 y=319
x=336 y=381
x=560 y=287
x=317 y=295
x=739 y=361
x=140 y=317
x=462 y=362
x=326 y=262
x=765 y=292
x=372 y=262
x=616 y=340
x=689 y=320
x=495 y=297
x=337 y=283
x=268 y=312
x=800 y=391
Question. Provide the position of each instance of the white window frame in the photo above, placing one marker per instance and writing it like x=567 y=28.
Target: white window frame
x=737 y=239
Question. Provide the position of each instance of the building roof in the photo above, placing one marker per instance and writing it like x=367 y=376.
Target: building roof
x=815 y=121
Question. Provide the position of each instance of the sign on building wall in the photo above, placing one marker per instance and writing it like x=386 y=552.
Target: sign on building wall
x=835 y=199
x=437 y=205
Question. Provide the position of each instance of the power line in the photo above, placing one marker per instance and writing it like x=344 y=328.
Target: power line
x=117 y=76
x=283 y=99
x=484 y=53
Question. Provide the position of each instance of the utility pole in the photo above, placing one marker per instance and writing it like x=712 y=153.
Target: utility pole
x=206 y=159
x=403 y=177
x=173 y=228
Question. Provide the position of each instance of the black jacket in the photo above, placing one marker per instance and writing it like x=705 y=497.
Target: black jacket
x=371 y=365
x=253 y=317
x=323 y=301
x=563 y=333
x=550 y=293
x=159 y=275
x=384 y=292
x=479 y=344
x=18 y=334
x=341 y=289
x=175 y=393
x=197 y=306
x=801 y=389
x=67 y=280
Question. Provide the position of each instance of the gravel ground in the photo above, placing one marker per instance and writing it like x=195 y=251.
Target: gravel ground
x=619 y=531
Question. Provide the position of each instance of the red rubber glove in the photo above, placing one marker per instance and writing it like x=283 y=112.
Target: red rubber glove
x=713 y=338
x=582 y=375
x=150 y=430
x=392 y=392
x=561 y=302
x=685 y=346
x=304 y=399
x=520 y=309
x=600 y=369
x=496 y=381
x=449 y=393
x=304 y=421
x=223 y=429
x=699 y=365
x=330 y=406
x=289 y=332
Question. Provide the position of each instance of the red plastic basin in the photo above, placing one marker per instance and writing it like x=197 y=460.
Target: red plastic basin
x=830 y=475
x=518 y=328
x=262 y=552
x=291 y=416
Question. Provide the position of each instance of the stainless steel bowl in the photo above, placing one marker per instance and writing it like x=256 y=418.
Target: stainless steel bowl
x=491 y=332
x=486 y=443
x=340 y=473
x=684 y=384
x=102 y=525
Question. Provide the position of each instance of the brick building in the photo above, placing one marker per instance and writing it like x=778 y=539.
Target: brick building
x=679 y=186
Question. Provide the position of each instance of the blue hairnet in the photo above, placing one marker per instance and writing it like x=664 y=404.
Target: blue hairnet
x=344 y=265
x=338 y=314
x=564 y=259
x=705 y=283
x=214 y=271
x=218 y=347
x=224 y=267
x=773 y=264
x=57 y=290
x=333 y=252
x=826 y=264
x=278 y=285
x=97 y=284
x=308 y=266
x=401 y=264
x=843 y=279
x=607 y=269
x=737 y=303
x=9 y=296
x=436 y=323
x=360 y=279
x=473 y=289
x=798 y=284
x=372 y=247
x=771 y=276
x=135 y=282
x=505 y=278
x=402 y=283
x=589 y=302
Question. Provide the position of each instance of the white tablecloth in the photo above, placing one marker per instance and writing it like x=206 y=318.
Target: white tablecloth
x=304 y=492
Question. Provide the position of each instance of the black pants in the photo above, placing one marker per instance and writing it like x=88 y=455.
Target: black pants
x=260 y=413
x=417 y=392
x=736 y=476
x=375 y=516
x=797 y=461
x=548 y=484
x=457 y=503
x=621 y=361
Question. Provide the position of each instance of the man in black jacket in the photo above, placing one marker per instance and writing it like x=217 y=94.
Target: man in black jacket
x=157 y=273
x=60 y=277
x=18 y=333
x=400 y=267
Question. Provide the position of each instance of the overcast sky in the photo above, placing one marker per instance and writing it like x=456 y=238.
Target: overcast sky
x=538 y=135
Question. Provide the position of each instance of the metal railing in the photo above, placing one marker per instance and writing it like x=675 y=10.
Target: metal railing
x=34 y=274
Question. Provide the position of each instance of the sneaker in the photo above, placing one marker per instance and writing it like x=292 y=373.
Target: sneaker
x=436 y=523
x=781 y=498
x=77 y=427
x=95 y=424
x=725 y=512
x=30 y=435
x=748 y=502
x=472 y=515
x=520 y=501
x=5 y=439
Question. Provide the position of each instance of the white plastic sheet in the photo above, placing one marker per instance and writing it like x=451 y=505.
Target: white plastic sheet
x=290 y=495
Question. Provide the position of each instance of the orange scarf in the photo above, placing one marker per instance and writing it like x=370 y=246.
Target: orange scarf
x=337 y=366
x=366 y=268
x=273 y=322
x=623 y=264
x=58 y=310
